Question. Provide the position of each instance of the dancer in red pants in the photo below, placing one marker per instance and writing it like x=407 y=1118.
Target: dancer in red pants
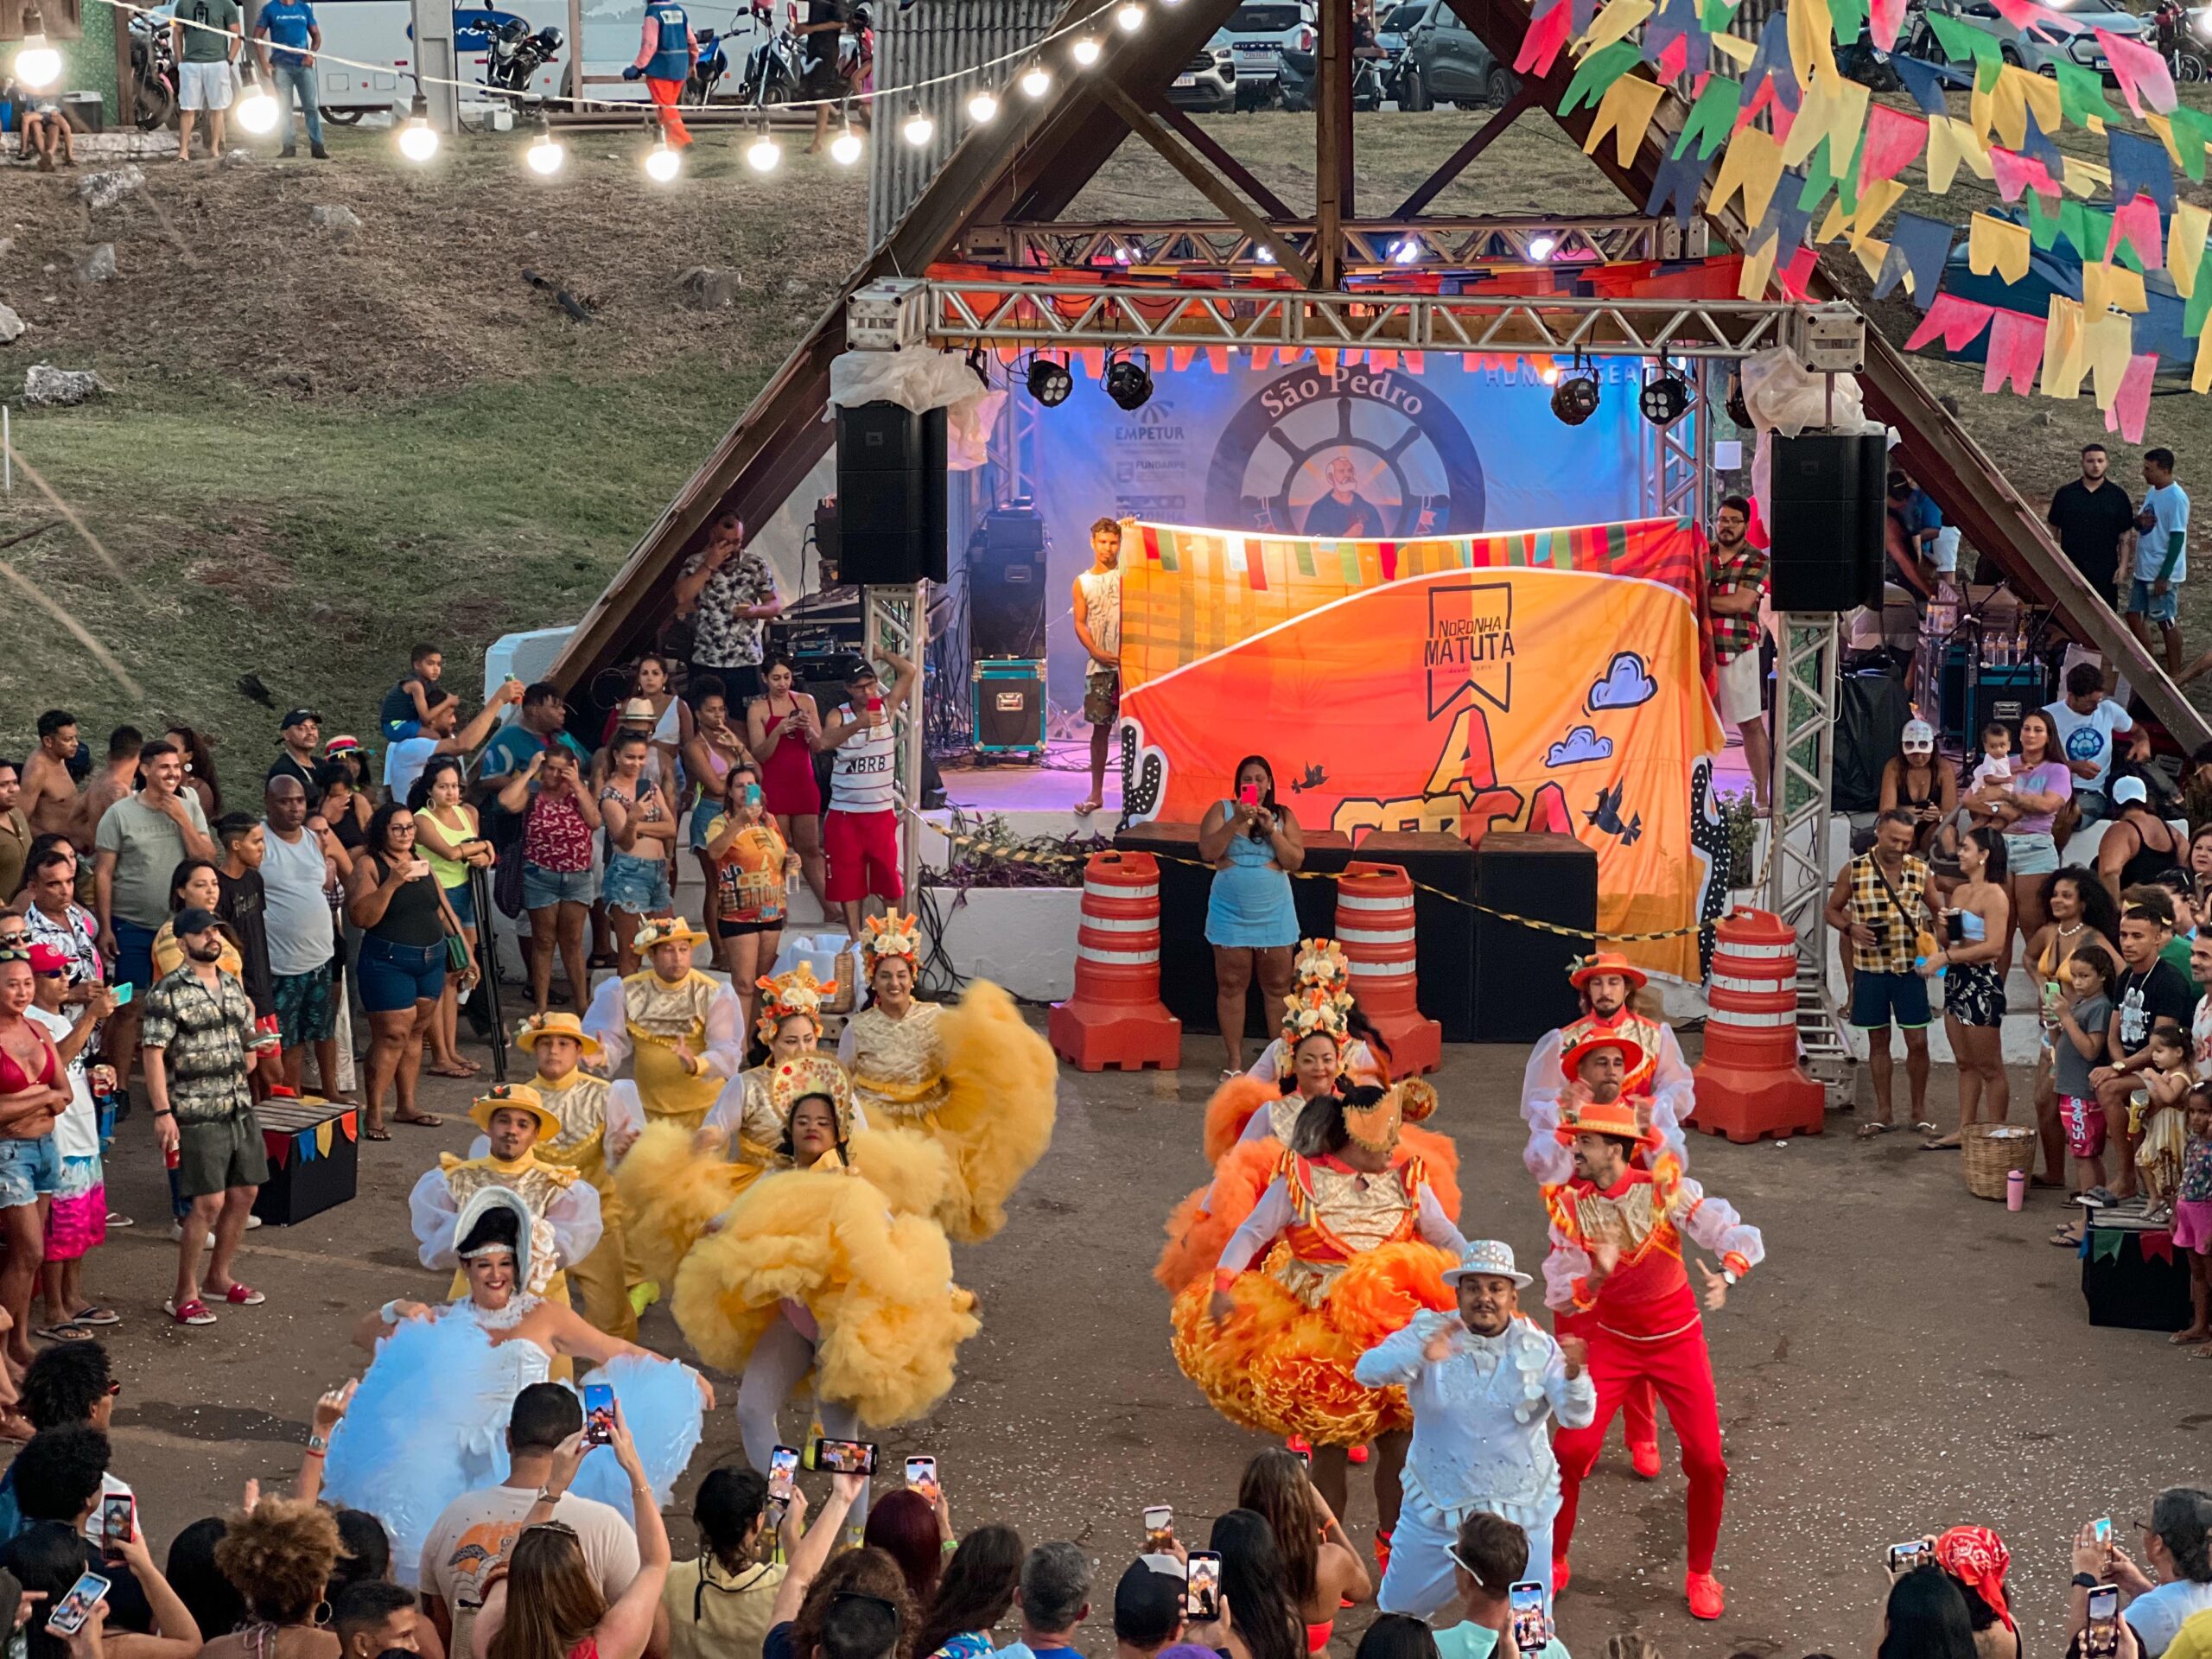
x=1629 y=1225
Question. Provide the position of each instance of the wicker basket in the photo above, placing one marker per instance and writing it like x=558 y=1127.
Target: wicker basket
x=1990 y=1151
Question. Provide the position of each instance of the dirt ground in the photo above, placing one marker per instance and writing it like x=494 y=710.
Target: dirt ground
x=1907 y=1358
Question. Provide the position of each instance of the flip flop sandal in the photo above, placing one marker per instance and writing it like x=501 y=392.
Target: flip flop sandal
x=1939 y=1146
x=376 y=1134
x=244 y=1296
x=422 y=1121
x=2181 y=1339
x=191 y=1313
x=67 y=1332
x=2064 y=1243
x=1868 y=1131
x=96 y=1314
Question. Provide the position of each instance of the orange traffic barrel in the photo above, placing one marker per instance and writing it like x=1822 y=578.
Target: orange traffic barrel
x=1375 y=925
x=1116 y=1017
x=1749 y=1084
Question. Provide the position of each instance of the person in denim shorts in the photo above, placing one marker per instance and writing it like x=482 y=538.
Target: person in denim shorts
x=641 y=830
x=34 y=1090
x=556 y=880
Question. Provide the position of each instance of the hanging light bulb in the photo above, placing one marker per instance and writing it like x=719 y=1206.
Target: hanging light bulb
x=662 y=163
x=1130 y=17
x=545 y=154
x=845 y=148
x=1036 y=81
x=418 y=139
x=1084 y=51
x=38 y=65
x=256 y=111
x=918 y=129
x=764 y=153
x=983 y=107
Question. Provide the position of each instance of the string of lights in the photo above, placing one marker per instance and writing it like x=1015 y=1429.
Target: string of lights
x=38 y=65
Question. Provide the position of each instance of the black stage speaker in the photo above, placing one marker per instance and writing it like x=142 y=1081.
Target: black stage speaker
x=1828 y=492
x=890 y=512
x=1007 y=581
x=1521 y=989
x=1444 y=932
x=1187 y=983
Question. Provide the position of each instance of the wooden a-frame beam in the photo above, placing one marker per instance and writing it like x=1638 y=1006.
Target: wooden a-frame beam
x=1226 y=164
x=1453 y=165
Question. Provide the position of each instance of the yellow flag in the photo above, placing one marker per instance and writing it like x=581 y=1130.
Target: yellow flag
x=1871 y=254
x=2157 y=124
x=2084 y=179
x=1758 y=271
x=1811 y=53
x=1835 y=110
x=1996 y=244
x=2201 y=378
x=1950 y=141
x=1833 y=226
x=1876 y=199
x=1614 y=23
x=2063 y=363
x=1625 y=111
x=2185 y=240
x=1981 y=111
x=2040 y=96
x=2107 y=340
x=2008 y=109
x=1752 y=164
x=2106 y=286
x=1734 y=47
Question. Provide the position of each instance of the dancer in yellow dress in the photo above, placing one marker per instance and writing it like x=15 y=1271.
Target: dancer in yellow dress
x=974 y=1076
x=560 y=1045
x=683 y=1033
x=563 y=1208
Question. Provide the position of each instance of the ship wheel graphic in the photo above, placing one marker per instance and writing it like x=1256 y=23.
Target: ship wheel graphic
x=1271 y=471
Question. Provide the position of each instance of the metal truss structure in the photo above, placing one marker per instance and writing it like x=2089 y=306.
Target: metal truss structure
x=1368 y=244
x=893 y=618
x=1798 y=849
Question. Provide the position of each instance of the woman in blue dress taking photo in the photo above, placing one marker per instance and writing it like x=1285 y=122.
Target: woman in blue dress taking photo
x=1253 y=844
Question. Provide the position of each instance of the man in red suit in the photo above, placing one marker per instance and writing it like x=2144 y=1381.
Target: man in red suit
x=1627 y=1226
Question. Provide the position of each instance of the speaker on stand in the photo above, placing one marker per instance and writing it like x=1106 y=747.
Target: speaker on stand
x=1827 y=494
x=1007 y=576
x=891 y=495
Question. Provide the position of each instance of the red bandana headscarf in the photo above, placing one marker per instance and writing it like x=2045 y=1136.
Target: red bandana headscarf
x=1977 y=1557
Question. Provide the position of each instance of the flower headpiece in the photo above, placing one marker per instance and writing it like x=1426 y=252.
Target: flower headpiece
x=1321 y=965
x=797 y=992
x=1376 y=1126
x=812 y=1074
x=1312 y=1010
x=893 y=935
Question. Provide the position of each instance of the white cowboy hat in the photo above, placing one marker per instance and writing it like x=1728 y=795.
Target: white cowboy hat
x=1491 y=1258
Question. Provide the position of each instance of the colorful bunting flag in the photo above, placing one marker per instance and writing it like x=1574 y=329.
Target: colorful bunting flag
x=2141 y=71
x=1596 y=72
x=1674 y=188
x=2108 y=341
x=1996 y=244
x=1893 y=141
x=1958 y=321
x=2081 y=96
x=2063 y=363
x=2186 y=234
x=1925 y=82
x=1950 y=141
x=1613 y=23
x=1923 y=247
x=1832 y=111
x=2043 y=222
x=1542 y=45
x=2135 y=224
x=2017 y=172
x=1884 y=19
x=1713 y=114
x=2108 y=288
x=1752 y=165
x=2139 y=166
x=1625 y=111
x=2015 y=353
x=2192 y=132
x=2130 y=412
x=1812 y=54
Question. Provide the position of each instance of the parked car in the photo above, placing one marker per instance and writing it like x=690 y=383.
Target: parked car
x=1255 y=36
x=1391 y=28
x=1445 y=63
x=2043 y=54
x=1208 y=83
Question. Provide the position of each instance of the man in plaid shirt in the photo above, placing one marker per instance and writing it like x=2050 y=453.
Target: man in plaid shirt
x=1735 y=583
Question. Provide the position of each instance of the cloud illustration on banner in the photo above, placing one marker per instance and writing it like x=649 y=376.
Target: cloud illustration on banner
x=1582 y=743
x=1626 y=684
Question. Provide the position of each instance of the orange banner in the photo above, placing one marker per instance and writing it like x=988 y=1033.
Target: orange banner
x=1551 y=678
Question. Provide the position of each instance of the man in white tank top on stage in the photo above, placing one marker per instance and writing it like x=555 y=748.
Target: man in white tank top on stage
x=860 y=832
x=1098 y=625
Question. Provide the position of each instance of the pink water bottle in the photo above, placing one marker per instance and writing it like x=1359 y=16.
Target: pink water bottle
x=2016 y=1188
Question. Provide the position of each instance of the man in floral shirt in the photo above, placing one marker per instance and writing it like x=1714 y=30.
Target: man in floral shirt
x=729 y=593
x=1735 y=583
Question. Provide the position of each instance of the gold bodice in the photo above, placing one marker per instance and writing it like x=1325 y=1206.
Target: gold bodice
x=658 y=1012
x=579 y=1100
x=898 y=1065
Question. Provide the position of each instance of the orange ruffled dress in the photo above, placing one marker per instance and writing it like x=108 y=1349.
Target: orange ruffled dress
x=1358 y=1258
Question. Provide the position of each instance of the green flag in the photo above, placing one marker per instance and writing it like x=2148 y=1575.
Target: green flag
x=1598 y=71
x=1712 y=117
x=2082 y=95
x=2192 y=130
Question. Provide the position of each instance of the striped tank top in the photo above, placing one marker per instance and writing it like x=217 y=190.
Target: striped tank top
x=861 y=776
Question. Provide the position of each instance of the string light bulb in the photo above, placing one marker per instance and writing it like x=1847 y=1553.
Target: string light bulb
x=983 y=107
x=662 y=163
x=1130 y=17
x=545 y=154
x=418 y=139
x=1036 y=81
x=764 y=154
x=256 y=111
x=845 y=148
x=38 y=65
x=1084 y=51
x=918 y=129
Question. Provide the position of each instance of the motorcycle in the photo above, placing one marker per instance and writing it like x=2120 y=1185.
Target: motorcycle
x=514 y=54
x=1300 y=73
x=708 y=70
x=153 y=70
x=773 y=71
x=2184 y=58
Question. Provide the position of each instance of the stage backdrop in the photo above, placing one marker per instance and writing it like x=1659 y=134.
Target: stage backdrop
x=1460 y=685
x=1374 y=444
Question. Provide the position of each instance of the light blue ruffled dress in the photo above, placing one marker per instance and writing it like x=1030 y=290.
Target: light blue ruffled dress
x=1249 y=905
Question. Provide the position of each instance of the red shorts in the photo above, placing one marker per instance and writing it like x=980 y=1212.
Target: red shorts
x=860 y=850
x=2085 y=1125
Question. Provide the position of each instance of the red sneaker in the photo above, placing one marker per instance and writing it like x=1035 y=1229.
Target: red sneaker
x=1299 y=1444
x=1705 y=1595
x=1382 y=1551
x=1644 y=1457
x=1357 y=1454
x=1560 y=1573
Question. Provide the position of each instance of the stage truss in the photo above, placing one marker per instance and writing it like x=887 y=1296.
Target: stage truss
x=1364 y=246
x=891 y=619
x=1798 y=845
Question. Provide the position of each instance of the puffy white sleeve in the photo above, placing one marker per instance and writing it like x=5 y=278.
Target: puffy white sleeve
x=1270 y=1217
x=575 y=1221
x=433 y=1213
x=1540 y=1085
x=607 y=1020
x=728 y=1113
x=1564 y=1263
x=1573 y=1399
x=1436 y=1227
x=1714 y=1224
x=1265 y=1068
x=847 y=1045
x=725 y=1045
x=1397 y=1358
x=626 y=1112
x=1674 y=1090
x=1261 y=1125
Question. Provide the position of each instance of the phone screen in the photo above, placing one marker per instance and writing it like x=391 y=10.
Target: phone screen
x=124 y=993
x=2103 y=1524
x=117 y=1520
x=72 y=1610
x=598 y=1413
x=1202 y=1593
x=783 y=1467
x=1158 y=1530
x=2101 y=1639
x=845 y=1457
x=921 y=1477
x=1532 y=1626
x=1905 y=1556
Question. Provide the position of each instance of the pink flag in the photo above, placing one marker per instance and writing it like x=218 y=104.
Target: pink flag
x=2015 y=353
x=1748 y=110
x=2137 y=222
x=1414 y=361
x=2017 y=172
x=1887 y=18
x=1541 y=46
x=1956 y=320
x=1798 y=273
x=1217 y=358
x=1673 y=58
x=2142 y=73
x=2025 y=13
x=2131 y=407
x=1894 y=139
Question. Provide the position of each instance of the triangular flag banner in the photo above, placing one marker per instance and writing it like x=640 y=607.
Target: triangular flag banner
x=2145 y=81
x=1950 y=141
x=2081 y=96
x=1771 y=63
x=1924 y=245
x=2157 y=1244
x=2158 y=328
x=2105 y=1246
x=2200 y=378
x=1674 y=188
x=1596 y=72
x=1893 y=141
x=1873 y=257
x=1925 y=82
x=1996 y=244
x=2038 y=142
x=2139 y=167
x=1714 y=15
x=1673 y=61
x=2026 y=15
x=2185 y=236
x=2085 y=178
x=2008 y=109
x=2063 y=364
x=1885 y=196
x=1847 y=20
x=2108 y=341
x=1752 y=164
x=1837 y=223
x=1614 y=22
x=2163 y=126
x=1832 y=111
x=2130 y=412
x=1734 y=48
x=2043 y=222
x=2135 y=226
x=2019 y=173
x=1884 y=18
x=1893 y=271
x=1541 y=46
x=2015 y=353
x=2106 y=287
x=1757 y=269
x=2192 y=132
x=2200 y=299
x=1583 y=13
x=1625 y=111
x=1962 y=41
x=1811 y=53
x=1785 y=225
x=1796 y=273
x=2041 y=97
x=1957 y=320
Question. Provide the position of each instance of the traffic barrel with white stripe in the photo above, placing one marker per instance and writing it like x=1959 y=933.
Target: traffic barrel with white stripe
x=1748 y=1082
x=1375 y=925
x=1116 y=1017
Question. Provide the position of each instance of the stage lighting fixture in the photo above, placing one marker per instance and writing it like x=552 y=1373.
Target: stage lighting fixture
x=1665 y=400
x=1408 y=252
x=1541 y=248
x=1128 y=382
x=1739 y=411
x=1574 y=399
x=1049 y=382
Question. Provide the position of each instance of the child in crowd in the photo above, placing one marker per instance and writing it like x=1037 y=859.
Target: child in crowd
x=406 y=708
x=2193 y=1217
x=2155 y=1125
x=2082 y=1018
x=1986 y=803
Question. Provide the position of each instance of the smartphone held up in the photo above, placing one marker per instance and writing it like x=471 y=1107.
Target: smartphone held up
x=599 y=1414
x=1532 y=1619
x=1202 y=1590
x=1159 y=1530
x=921 y=1478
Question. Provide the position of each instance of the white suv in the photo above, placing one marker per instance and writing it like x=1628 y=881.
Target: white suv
x=1256 y=37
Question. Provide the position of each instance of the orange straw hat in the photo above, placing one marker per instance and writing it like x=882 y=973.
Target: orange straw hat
x=1631 y=1053
x=1615 y=1118
x=1586 y=969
